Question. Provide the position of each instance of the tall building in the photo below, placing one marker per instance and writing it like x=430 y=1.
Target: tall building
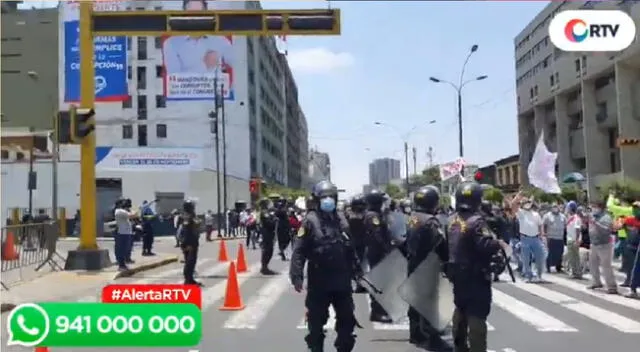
x=382 y=171
x=147 y=130
x=319 y=167
x=581 y=101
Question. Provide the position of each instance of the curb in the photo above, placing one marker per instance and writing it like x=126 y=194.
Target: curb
x=145 y=267
x=6 y=307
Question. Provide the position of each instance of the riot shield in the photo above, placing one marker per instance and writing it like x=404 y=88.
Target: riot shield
x=429 y=292
x=397 y=226
x=386 y=277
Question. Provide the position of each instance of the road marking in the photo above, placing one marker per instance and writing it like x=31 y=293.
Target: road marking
x=330 y=325
x=163 y=275
x=617 y=299
x=529 y=314
x=212 y=294
x=259 y=306
x=613 y=320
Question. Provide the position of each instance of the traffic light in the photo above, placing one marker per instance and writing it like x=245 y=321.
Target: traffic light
x=478 y=176
x=62 y=128
x=628 y=142
x=82 y=124
x=254 y=187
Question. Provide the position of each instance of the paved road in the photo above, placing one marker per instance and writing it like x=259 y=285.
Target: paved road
x=558 y=316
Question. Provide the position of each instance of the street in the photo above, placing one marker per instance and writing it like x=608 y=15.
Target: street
x=557 y=316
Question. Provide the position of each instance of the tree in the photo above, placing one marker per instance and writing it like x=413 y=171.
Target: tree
x=431 y=175
x=393 y=191
x=624 y=189
x=493 y=195
x=571 y=192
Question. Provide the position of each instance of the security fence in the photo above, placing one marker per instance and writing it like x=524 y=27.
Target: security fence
x=28 y=247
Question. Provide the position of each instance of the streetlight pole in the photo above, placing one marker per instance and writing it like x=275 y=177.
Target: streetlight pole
x=458 y=87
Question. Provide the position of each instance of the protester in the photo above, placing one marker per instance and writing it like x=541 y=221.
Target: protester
x=574 y=232
x=601 y=255
x=531 y=229
x=554 y=227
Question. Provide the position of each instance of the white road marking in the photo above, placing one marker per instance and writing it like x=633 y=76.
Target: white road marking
x=259 y=306
x=216 y=292
x=330 y=325
x=529 y=314
x=613 y=320
x=617 y=299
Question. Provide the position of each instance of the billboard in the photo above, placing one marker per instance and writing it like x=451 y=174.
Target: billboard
x=110 y=56
x=149 y=159
x=192 y=65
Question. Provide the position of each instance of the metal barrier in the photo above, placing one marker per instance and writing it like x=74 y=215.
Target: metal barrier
x=29 y=245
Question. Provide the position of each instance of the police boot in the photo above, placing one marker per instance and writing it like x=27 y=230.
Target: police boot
x=435 y=343
x=380 y=318
x=416 y=337
x=266 y=271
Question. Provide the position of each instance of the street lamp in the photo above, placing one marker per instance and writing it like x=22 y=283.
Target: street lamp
x=405 y=139
x=458 y=87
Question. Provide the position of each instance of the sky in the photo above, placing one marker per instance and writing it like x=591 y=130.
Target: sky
x=378 y=70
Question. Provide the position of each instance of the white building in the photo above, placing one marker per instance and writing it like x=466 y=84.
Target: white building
x=158 y=148
x=583 y=102
x=383 y=170
x=319 y=167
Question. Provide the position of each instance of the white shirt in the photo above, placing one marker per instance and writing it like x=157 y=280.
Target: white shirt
x=185 y=54
x=123 y=224
x=530 y=222
x=574 y=223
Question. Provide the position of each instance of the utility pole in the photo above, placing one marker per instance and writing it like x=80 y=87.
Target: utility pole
x=430 y=156
x=54 y=170
x=224 y=158
x=31 y=179
x=406 y=166
x=415 y=163
x=215 y=115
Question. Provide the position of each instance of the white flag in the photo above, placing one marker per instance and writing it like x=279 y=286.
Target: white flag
x=542 y=167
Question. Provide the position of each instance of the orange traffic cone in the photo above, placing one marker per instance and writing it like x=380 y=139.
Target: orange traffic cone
x=41 y=349
x=232 y=298
x=9 y=249
x=241 y=260
x=222 y=252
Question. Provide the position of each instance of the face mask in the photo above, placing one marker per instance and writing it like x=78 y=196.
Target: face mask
x=407 y=210
x=527 y=206
x=327 y=204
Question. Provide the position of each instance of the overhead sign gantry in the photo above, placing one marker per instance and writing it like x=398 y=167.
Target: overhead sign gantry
x=162 y=23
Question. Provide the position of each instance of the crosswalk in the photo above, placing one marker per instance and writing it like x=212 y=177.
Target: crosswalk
x=562 y=305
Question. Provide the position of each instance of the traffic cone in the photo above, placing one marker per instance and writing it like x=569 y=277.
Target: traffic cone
x=9 y=249
x=41 y=349
x=222 y=252
x=232 y=298
x=241 y=260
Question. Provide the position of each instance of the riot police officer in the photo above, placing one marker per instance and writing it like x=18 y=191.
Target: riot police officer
x=283 y=228
x=423 y=236
x=189 y=237
x=268 y=225
x=379 y=243
x=323 y=242
x=472 y=250
x=355 y=217
x=405 y=206
x=498 y=226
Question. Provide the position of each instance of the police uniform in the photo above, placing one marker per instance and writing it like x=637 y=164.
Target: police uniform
x=322 y=242
x=472 y=248
x=498 y=226
x=268 y=224
x=379 y=244
x=423 y=236
x=283 y=228
x=189 y=238
x=355 y=218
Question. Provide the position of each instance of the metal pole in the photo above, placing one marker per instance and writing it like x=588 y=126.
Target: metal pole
x=217 y=143
x=54 y=169
x=415 y=162
x=460 y=142
x=406 y=166
x=30 y=177
x=224 y=157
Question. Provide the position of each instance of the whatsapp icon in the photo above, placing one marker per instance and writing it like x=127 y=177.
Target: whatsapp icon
x=28 y=325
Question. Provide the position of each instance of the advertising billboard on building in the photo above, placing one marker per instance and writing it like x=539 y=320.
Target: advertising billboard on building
x=110 y=55
x=149 y=159
x=192 y=65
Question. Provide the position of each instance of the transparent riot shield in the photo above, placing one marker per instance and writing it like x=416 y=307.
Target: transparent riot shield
x=429 y=292
x=385 y=278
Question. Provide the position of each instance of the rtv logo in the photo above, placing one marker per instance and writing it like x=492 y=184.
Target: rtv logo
x=592 y=30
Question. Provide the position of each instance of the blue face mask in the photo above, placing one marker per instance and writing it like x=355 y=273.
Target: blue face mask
x=327 y=204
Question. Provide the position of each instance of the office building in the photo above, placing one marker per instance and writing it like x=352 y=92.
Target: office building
x=319 y=167
x=583 y=102
x=382 y=171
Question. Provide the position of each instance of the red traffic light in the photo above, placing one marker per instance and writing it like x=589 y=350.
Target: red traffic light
x=253 y=186
x=478 y=176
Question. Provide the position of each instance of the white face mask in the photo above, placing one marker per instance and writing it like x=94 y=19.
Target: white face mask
x=407 y=209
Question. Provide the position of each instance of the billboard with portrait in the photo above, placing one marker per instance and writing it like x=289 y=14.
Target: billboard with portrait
x=193 y=65
x=110 y=55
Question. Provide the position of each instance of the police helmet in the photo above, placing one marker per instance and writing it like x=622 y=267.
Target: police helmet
x=486 y=207
x=426 y=198
x=469 y=196
x=375 y=198
x=188 y=206
x=324 y=189
x=358 y=203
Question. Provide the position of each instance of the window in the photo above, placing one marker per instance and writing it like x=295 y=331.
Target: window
x=142 y=48
x=557 y=77
x=142 y=107
x=127 y=131
x=129 y=43
x=159 y=71
x=11 y=55
x=577 y=63
x=613 y=162
x=612 y=134
x=5 y=155
x=142 y=135
x=161 y=130
x=127 y=104
x=584 y=62
x=552 y=80
x=142 y=77
x=157 y=42
x=531 y=92
x=161 y=101
x=129 y=72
